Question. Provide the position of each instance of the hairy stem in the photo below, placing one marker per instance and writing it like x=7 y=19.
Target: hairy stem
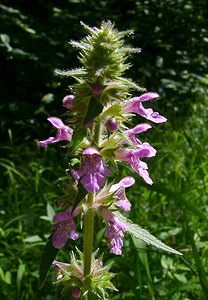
x=98 y=131
x=88 y=236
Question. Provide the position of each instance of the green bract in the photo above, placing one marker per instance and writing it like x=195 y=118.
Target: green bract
x=103 y=57
x=72 y=275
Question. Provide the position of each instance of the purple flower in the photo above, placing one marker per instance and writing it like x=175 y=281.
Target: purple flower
x=64 y=132
x=114 y=232
x=64 y=228
x=134 y=105
x=112 y=125
x=67 y=101
x=137 y=129
x=119 y=192
x=91 y=171
x=130 y=133
x=132 y=157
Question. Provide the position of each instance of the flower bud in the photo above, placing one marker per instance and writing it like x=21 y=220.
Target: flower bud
x=97 y=89
x=67 y=101
x=112 y=125
x=76 y=293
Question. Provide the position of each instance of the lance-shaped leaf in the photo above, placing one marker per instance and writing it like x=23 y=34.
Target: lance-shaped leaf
x=48 y=255
x=78 y=136
x=144 y=235
x=130 y=84
x=74 y=72
x=81 y=193
x=94 y=109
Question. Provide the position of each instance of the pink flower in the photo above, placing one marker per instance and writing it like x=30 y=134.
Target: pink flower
x=67 y=101
x=134 y=105
x=119 y=192
x=91 y=171
x=64 y=228
x=64 y=132
x=132 y=157
x=137 y=129
x=114 y=232
x=131 y=134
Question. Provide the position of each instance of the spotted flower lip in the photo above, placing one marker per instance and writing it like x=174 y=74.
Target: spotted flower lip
x=132 y=157
x=91 y=171
x=134 y=105
x=114 y=232
x=64 y=132
x=119 y=192
x=64 y=228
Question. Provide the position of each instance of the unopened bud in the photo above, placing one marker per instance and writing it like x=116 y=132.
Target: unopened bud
x=67 y=101
x=97 y=89
x=76 y=293
x=112 y=125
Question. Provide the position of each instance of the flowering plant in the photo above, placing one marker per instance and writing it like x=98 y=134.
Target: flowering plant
x=98 y=113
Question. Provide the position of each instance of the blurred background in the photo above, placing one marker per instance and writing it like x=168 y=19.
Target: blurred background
x=34 y=38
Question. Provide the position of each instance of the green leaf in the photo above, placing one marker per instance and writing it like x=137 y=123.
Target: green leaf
x=50 y=211
x=75 y=72
x=33 y=239
x=80 y=45
x=48 y=255
x=94 y=109
x=144 y=235
x=20 y=217
x=7 y=277
x=20 y=272
x=180 y=277
x=181 y=200
x=78 y=136
x=81 y=193
x=93 y=296
x=131 y=84
x=1 y=274
x=113 y=110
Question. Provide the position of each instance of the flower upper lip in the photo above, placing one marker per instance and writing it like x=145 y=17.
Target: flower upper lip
x=64 y=132
x=134 y=105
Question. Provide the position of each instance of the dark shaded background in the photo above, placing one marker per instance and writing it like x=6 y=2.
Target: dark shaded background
x=34 y=42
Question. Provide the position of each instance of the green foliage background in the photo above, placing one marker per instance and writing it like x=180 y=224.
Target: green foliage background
x=34 y=39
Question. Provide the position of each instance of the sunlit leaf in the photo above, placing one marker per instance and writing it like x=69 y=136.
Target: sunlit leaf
x=33 y=239
x=144 y=235
x=50 y=211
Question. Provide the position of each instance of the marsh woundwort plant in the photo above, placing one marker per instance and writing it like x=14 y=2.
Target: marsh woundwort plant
x=99 y=110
